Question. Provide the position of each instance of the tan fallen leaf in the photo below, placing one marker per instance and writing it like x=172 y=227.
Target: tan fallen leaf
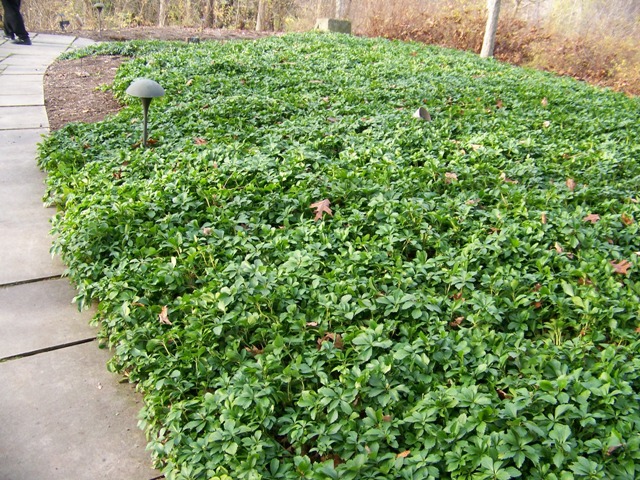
x=621 y=267
x=163 y=316
x=450 y=177
x=544 y=102
x=321 y=208
x=626 y=219
x=543 y=218
x=592 y=217
x=571 y=184
x=403 y=454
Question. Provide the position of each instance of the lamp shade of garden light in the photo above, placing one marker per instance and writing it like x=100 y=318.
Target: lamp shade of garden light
x=146 y=90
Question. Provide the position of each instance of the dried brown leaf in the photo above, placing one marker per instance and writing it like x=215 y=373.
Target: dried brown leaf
x=571 y=184
x=253 y=350
x=621 y=267
x=503 y=395
x=450 y=177
x=163 y=316
x=543 y=218
x=456 y=323
x=592 y=217
x=199 y=141
x=544 y=102
x=335 y=338
x=321 y=207
x=403 y=454
x=626 y=219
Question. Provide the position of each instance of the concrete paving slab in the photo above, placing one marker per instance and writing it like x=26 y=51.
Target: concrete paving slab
x=37 y=48
x=64 y=416
x=48 y=38
x=21 y=100
x=24 y=253
x=40 y=315
x=27 y=60
x=22 y=201
x=15 y=118
x=24 y=69
x=19 y=146
x=82 y=42
x=22 y=85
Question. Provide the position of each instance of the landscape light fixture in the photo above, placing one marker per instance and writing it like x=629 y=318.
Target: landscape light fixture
x=99 y=7
x=146 y=90
x=64 y=23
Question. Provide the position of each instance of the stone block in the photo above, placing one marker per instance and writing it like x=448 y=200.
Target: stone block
x=333 y=25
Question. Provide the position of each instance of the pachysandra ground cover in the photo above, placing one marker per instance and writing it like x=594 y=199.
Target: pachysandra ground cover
x=306 y=281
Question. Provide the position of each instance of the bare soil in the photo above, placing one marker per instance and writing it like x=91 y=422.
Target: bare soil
x=74 y=90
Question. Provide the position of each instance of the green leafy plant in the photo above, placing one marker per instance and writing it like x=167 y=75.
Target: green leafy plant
x=307 y=282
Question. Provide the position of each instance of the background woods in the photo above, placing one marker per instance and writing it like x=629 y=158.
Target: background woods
x=594 y=40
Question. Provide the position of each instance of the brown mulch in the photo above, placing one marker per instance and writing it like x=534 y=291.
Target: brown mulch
x=74 y=90
x=77 y=90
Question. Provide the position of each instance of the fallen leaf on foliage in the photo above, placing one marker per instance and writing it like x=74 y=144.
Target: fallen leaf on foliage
x=386 y=418
x=475 y=147
x=626 y=219
x=456 y=322
x=638 y=330
x=207 y=230
x=621 y=267
x=499 y=104
x=543 y=218
x=163 y=316
x=335 y=338
x=403 y=454
x=332 y=119
x=504 y=178
x=546 y=124
x=503 y=395
x=613 y=448
x=414 y=53
x=592 y=217
x=537 y=287
x=312 y=324
x=254 y=350
x=321 y=207
x=544 y=102
x=457 y=296
x=584 y=281
x=558 y=248
x=571 y=184
x=336 y=459
x=537 y=305
x=199 y=141
x=450 y=177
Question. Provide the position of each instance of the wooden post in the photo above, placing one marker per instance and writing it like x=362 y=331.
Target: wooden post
x=489 y=42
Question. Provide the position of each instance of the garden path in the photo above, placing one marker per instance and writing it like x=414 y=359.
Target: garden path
x=62 y=414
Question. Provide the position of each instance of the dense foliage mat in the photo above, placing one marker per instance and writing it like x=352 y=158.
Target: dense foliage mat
x=308 y=282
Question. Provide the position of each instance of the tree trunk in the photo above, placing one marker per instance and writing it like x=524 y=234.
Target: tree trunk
x=489 y=42
x=339 y=8
x=162 y=13
x=260 y=19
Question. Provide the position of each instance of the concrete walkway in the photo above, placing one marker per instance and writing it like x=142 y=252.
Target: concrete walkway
x=63 y=416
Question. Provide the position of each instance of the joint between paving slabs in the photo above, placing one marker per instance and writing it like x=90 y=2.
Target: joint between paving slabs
x=31 y=280
x=46 y=350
